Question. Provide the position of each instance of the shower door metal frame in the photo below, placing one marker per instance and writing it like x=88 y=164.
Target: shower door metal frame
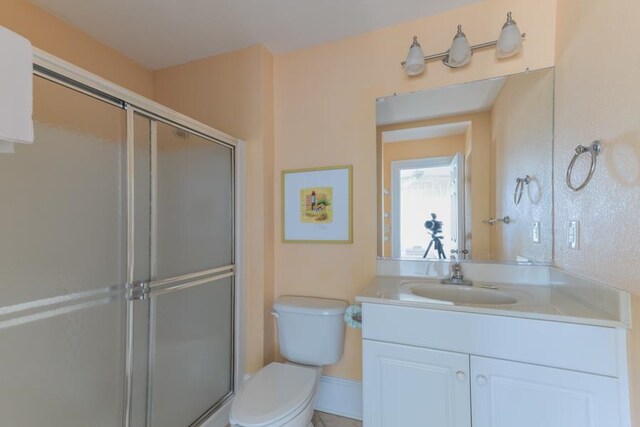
x=147 y=290
x=64 y=73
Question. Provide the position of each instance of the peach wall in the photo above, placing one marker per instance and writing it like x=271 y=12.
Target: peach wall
x=598 y=97
x=325 y=115
x=233 y=92
x=52 y=35
x=269 y=183
x=417 y=149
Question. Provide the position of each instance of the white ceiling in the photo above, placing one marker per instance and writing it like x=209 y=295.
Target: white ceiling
x=442 y=102
x=425 y=132
x=160 y=33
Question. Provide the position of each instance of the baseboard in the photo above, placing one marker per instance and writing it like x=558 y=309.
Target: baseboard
x=340 y=397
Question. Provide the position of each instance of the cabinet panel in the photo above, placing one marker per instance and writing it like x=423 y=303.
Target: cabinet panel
x=508 y=394
x=502 y=337
x=410 y=386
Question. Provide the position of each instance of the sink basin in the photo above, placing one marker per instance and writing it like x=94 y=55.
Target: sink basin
x=457 y=294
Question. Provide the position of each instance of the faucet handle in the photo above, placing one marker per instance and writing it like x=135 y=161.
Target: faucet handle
x=456 y=278
x=456 y=270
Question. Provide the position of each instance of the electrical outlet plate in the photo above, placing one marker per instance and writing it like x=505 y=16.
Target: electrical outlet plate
x=573 y=234
x=535 y=233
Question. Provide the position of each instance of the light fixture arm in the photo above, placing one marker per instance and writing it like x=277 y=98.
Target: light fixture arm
x=444 y=55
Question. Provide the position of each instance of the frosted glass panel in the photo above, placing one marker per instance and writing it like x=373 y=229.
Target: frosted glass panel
x=195 y=203
x=66 y=370
x=62 y=231
x=62 y=221
x=193 y=343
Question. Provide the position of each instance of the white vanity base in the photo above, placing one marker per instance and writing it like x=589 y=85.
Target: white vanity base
x=441 y=368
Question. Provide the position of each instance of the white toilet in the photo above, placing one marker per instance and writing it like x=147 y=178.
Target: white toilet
x=311 y=334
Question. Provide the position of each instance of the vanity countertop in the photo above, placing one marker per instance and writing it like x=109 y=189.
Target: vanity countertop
x=538 y=301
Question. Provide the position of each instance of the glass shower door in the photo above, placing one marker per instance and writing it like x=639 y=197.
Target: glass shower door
x=116 y=268
x=63 y=265
x=190 y=219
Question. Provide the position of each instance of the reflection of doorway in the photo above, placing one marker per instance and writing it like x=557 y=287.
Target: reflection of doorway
x=421 y=187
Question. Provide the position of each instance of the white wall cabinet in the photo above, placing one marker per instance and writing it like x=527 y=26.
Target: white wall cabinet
x=433 y=368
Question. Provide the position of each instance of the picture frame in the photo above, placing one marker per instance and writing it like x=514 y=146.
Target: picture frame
x=317 y=205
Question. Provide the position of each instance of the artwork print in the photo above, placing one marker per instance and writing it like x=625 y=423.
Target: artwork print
x=315 y=205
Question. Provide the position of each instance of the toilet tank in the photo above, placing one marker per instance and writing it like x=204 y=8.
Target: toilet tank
x=310 y=330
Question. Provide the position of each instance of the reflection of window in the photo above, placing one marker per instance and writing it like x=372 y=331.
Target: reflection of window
x=424 y=190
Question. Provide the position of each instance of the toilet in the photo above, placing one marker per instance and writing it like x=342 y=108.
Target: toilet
x=311 y=335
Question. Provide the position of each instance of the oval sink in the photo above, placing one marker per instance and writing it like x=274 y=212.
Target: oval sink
x=457 y=294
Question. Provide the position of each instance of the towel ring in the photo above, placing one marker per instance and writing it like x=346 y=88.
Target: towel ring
x=520 y=183
x=593 y=150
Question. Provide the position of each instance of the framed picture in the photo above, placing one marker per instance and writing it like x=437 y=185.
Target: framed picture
x=316 y=205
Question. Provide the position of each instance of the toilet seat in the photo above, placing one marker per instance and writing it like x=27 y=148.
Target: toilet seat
x=274 y=395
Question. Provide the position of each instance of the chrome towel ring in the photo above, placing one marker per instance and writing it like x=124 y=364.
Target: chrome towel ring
x=520 y=183
x=593 y=150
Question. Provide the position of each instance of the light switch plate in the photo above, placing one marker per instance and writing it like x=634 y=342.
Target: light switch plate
x=535 y=233
x=573 y=235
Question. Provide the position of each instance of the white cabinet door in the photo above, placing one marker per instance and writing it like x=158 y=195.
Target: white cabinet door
x=510 y=394
x=417 y=387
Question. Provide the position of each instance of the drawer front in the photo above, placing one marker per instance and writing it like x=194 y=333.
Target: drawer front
x=564 y=345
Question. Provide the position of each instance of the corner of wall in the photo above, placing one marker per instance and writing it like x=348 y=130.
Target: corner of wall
x=268 y=125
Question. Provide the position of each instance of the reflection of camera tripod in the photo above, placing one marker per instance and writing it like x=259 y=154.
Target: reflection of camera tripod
x=436 y=242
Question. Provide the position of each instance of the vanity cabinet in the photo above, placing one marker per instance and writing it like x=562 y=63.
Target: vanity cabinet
x=436 y=368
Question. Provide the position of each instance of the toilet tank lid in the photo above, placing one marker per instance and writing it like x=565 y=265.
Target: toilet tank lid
x=310 y=305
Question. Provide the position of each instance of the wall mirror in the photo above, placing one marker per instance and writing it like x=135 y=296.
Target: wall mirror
x=465 y=171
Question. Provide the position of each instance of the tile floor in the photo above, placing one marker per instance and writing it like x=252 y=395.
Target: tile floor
x=322 y=419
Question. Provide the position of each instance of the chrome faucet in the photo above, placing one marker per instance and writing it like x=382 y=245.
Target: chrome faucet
x=456 y=278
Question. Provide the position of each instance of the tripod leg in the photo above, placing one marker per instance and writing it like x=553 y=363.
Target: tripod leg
x=441 y=254
x=428 y=249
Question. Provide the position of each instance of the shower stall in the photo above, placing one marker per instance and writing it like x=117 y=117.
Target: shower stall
x=119 y=278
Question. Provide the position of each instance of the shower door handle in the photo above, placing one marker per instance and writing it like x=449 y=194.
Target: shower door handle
x=138 y=291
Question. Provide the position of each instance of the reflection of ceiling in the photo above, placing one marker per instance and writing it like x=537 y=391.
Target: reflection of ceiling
x=159 y=33
x=442 y=102
x=425 y=132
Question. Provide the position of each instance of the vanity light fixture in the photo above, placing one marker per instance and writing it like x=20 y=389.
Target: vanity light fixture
x=414 y=64
x=510 y=40
x=459 y=54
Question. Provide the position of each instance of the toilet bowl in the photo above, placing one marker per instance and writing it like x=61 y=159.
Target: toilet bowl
x=279 y=395
x=310 y=335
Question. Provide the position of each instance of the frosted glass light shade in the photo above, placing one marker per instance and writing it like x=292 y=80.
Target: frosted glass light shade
x=414 y=64
x=510 y=40
x=460 y=51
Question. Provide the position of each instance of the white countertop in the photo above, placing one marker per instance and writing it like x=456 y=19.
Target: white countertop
x=538 y=301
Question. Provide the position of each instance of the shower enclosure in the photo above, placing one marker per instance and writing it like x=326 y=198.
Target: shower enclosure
x=118 y=275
